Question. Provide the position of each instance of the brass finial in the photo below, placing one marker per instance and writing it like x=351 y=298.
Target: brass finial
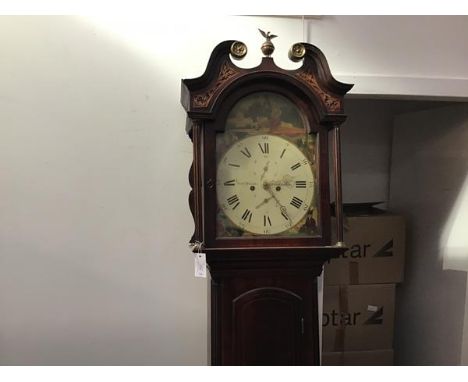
x=267 y=47
x=238 y=50
x=297 y=52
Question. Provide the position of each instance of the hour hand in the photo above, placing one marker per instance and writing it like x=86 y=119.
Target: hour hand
x=265 y=201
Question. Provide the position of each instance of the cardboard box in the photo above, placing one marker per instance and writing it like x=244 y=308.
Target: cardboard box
x=358 y=317
x=376 y=251
x=359 y=358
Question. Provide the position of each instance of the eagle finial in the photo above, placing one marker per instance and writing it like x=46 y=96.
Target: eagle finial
x=267 y=46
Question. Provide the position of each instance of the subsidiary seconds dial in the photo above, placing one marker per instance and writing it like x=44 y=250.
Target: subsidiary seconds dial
x=265 y=184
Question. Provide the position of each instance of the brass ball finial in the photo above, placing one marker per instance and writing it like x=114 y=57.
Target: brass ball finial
x=297 y=52
x=267 y=47
x=238 y=50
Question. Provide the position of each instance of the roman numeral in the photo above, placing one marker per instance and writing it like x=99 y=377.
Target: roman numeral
x=296 y=166
x=264 y=147
x=266 y=220
x=247 y=215
x=296 y=202
x=233 y=200
x=233 y=165
x=246 y=152
x=282 y=153
x=230 y=182
x=300 y=184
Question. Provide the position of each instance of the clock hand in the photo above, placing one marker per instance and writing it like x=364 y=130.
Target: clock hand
x=264 y=202
x=284 y=181
x=266 y=186
x=280 y=183
x=265 y=169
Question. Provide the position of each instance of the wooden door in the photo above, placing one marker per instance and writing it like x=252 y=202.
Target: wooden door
x=267 y=327
x=264 y=320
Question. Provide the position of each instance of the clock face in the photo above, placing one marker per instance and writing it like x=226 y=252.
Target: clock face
x=265 y=184
x=267 y=173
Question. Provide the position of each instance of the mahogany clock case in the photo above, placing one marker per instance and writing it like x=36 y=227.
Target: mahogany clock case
x=263 y=296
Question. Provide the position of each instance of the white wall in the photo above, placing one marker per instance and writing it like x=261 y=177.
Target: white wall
x=94 y=266
x=396 y=55
x=94 y=222
x=367 y=145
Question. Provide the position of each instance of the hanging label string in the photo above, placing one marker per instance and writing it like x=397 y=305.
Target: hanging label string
x=200 y=259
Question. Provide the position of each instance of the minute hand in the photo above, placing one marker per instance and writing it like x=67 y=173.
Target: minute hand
x=266 y=186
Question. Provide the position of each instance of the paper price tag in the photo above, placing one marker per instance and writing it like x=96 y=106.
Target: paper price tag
x=200 y=264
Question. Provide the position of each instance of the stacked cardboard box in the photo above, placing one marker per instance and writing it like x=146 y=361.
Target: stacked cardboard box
x=359 y=292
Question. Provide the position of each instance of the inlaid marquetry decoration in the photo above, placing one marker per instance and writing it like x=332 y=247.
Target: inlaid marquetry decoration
x=227 y=72
x=332 y=102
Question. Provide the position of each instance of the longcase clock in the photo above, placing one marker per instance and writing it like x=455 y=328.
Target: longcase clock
x=261 y=198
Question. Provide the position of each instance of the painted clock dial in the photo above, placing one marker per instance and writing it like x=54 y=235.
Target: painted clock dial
x=265 y=184
x=266 y=170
